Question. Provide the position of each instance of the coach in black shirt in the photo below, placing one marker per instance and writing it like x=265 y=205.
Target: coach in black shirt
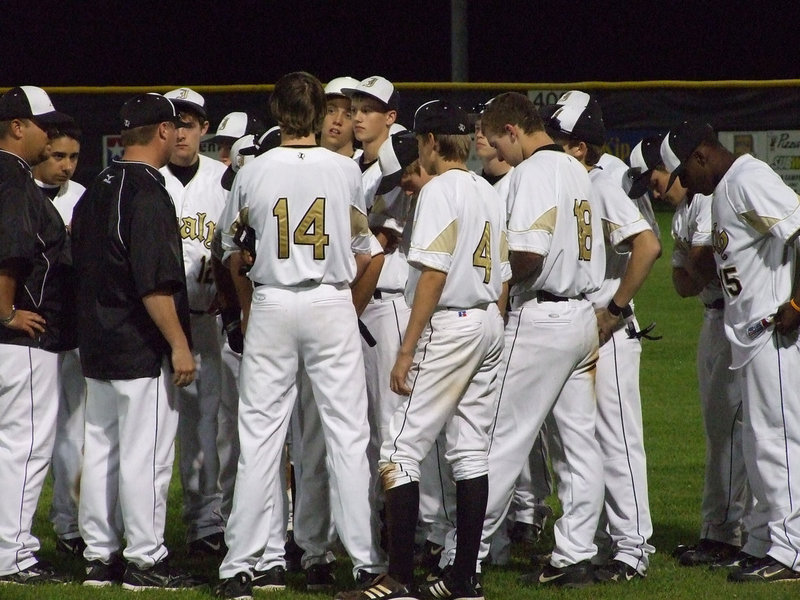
x=35 y=323
x=133 y=330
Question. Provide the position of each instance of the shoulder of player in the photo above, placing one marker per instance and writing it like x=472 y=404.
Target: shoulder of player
x=212 y=166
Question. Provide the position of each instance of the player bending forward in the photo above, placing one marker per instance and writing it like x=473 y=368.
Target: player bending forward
x=450 y=356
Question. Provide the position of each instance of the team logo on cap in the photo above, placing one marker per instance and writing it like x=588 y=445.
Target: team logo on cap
x=183 y=93
x=127 y=123
x=462 y=128
x=370 y=82
x=224 y=122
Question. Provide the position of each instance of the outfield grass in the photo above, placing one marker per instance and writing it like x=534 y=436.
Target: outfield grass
x=675 y=450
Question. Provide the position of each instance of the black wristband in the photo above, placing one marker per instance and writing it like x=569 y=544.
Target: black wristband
x=614 y=309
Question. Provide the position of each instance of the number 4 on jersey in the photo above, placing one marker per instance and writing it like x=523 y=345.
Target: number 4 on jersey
x=482 y=257
x=309 y=232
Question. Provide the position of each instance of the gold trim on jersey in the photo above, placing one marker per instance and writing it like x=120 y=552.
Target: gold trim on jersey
x=358 y=222
x=761 y=224
x=503 y=247
x=446 y=241
x=545 y=222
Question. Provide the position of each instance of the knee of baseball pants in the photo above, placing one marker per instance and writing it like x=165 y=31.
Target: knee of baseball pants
x=469 y=465
x=397 y=473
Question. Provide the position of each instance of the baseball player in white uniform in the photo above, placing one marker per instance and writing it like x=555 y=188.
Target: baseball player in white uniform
x=551 y=335
x=233 y=127
x=34 y=328
x=725 y=490
x=53 y=177
x=756 y=222
x=448 y=361
x=631 y=250
x=305 y=204
x=193 y=181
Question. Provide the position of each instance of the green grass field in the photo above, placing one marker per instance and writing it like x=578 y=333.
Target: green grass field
x=674 y=441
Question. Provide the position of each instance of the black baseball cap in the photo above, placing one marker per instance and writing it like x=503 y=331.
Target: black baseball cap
x=31 y=102
x=679 y=144
x=441 y=117
x=584 y=123
x=149 y=109
x=264 y=142
x=645 y=156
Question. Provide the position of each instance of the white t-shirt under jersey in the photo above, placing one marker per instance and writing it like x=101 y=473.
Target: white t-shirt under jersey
x=306 y=205
x=756 y=219
x=459 y=229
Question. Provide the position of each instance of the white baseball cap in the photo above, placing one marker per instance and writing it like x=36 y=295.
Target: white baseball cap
x=376 y=87
x=336 y=86
x=187 y=98
x=236 y=125
x=574 y=98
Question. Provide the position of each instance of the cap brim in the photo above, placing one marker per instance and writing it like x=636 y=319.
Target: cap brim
x=227 y=178
x=190 y=106
x=673 y=176
x=181 y=124
x=389 y=182
x=219 y=139
x=52 y=118
x=640 y=185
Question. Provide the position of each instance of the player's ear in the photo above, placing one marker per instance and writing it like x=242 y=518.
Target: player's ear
x=204 y=128
x=510 y=131
x=391 y=117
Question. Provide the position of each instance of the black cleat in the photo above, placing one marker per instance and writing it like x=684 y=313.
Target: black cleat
x=616 y=571
x=211 y=545
x=705 y=552
x=238 y=587
x=273 y=579
x=320 y=577
x=572 y=576
x=100 y=574
x=74 y=546
x=765 y=570
x=160 y=576
x=39 y=573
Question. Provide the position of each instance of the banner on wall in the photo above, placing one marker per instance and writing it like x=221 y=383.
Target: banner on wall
x=112 y=148
x=780 y=149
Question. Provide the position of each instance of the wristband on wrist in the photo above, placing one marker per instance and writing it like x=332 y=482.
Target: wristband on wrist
x=10 y=317
x=614 y=309
x=794 y=305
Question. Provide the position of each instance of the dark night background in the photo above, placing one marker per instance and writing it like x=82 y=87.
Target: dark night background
x=177 y=43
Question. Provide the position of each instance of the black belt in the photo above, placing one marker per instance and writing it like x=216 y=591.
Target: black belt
x=718 y=304
x=545 y=296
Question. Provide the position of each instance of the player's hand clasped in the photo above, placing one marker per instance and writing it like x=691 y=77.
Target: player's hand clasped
x=399 y=375
x=30 y=322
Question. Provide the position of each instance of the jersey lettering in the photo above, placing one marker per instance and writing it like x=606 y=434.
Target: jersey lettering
x=309 y=232
x=197 y=228
x=482 y=257
x=583 y=216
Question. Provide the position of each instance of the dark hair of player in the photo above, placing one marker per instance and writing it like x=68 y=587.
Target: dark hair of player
x=70 y=131
x=298 y=104
x=511 y=108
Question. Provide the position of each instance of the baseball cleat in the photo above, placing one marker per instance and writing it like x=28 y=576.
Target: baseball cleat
x=617 y=571
x=742 y=560
x=705 y=552
x=383 y=587
x=238 y=587
x=100 y=574
x=273 y=579
x=320 y=577
x=74 y=546
x=765 y=570
x=449 y=588
x=160 y=576
x=211 y=545
x=39 y=573
x=572 y=576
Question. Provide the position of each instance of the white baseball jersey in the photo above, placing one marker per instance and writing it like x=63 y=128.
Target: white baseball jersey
x=502 y=185
x=614 y=167
x=691 y=226
x=557 y=223
x=198 y=207
x=756 y=218
x=67 y=197
x=464 y=239
x=292 y=197
x=621 y=219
